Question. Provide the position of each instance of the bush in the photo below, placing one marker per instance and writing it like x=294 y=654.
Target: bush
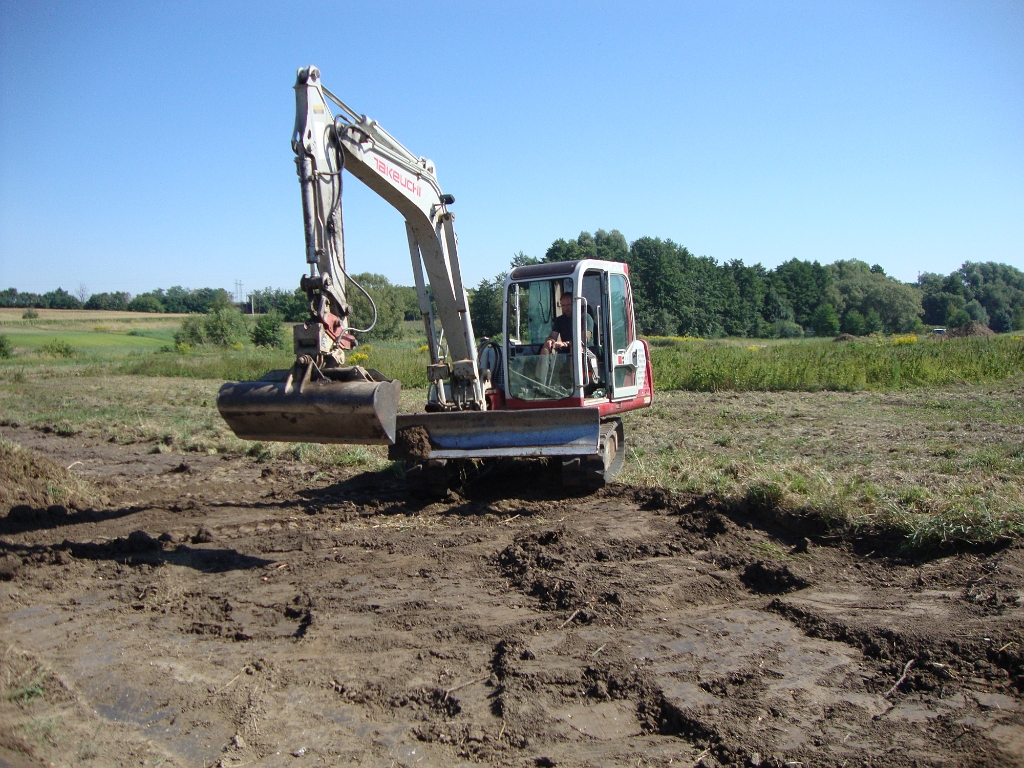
x=58 y=348
x=267 y=331
x=6 y=348
x=786 y=329
x=225 y=327
x=191 y=332
x=29 y=314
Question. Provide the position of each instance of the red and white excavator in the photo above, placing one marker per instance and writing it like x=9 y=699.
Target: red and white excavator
x=513 y=396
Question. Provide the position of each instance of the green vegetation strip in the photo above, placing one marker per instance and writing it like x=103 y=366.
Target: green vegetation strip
x=815 y=365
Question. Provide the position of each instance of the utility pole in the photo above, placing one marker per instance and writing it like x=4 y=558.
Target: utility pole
x=239 y=296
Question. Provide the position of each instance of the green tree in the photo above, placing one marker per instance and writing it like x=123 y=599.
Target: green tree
x=976 y=311
x=485 y=306
x=409 y=302
x=145 y=302
x=873 y=322
x=389 y=303
x=825 y=321
x=522 y=260
x=859 y=287
x=6 y=348
x=59 y=299
x=853 y=323
x=804 y=284
x=117 y=301
x=957 y=318
x=786 y=329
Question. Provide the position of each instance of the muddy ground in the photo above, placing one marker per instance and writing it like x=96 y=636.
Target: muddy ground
x=217 y=610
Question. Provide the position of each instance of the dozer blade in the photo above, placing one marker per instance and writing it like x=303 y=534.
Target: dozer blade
x=481 y=434
x=324 y=411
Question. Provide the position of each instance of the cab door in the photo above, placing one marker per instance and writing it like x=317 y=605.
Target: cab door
x=628 y=353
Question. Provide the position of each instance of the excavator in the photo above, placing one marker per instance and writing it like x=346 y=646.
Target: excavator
x=552 y=385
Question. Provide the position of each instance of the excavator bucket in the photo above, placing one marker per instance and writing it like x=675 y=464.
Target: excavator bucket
x=481 y=434
x=279 y=408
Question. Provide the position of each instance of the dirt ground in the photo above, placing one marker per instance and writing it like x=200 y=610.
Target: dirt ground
x=215 y=610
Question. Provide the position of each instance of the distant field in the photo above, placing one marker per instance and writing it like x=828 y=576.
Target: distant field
x=90 y=316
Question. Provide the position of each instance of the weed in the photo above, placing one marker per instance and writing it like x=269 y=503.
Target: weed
x=764 y=496
x=23 y=694
x=259 y=451
x=29 y=314
x=6 y=347
x=42 y=730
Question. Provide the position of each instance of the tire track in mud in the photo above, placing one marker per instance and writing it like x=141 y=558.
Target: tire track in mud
x=261 y=617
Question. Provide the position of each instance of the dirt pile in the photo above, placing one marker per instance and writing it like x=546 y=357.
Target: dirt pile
x=973 y=328
x=28 y=479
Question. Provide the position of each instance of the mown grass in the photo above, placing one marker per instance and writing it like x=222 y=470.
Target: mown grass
x=814 y=365
x=931 y=468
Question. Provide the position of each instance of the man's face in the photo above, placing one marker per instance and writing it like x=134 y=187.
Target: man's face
x=566 y=302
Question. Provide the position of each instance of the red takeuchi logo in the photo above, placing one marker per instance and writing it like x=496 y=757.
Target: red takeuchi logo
x=405 y=182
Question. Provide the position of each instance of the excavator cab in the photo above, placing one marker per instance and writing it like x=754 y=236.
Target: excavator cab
x=570 y=338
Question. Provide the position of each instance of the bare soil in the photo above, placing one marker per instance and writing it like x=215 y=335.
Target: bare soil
x=218 y=610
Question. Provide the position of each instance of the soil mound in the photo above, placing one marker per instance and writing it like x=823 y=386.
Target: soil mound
x=845 y=337
x=414 y=442
x=29 y=479
x=973 y=328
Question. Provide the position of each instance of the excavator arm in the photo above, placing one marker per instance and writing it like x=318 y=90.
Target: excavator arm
x=324 y=145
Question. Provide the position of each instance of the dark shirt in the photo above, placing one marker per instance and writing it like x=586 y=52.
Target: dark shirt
x=562 y=325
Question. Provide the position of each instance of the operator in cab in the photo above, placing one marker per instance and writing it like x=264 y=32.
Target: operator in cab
x=561 y=329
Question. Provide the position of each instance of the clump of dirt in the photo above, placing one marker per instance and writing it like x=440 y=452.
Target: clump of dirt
x=771 y=578
x=973 y=328
x=29 y=479
x=845 y=337
x=537 y=564
x=413 y=442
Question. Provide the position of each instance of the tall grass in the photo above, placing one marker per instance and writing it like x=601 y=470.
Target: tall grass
x=825 y=365
x=227 y=365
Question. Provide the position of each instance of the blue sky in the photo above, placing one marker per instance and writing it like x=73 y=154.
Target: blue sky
x=147 y=144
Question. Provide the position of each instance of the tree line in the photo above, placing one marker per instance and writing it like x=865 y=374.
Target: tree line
x=676 y=293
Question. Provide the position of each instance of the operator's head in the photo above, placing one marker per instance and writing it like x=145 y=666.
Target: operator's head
x=566 y=302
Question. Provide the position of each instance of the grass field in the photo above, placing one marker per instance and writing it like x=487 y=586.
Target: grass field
x=921 y=438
